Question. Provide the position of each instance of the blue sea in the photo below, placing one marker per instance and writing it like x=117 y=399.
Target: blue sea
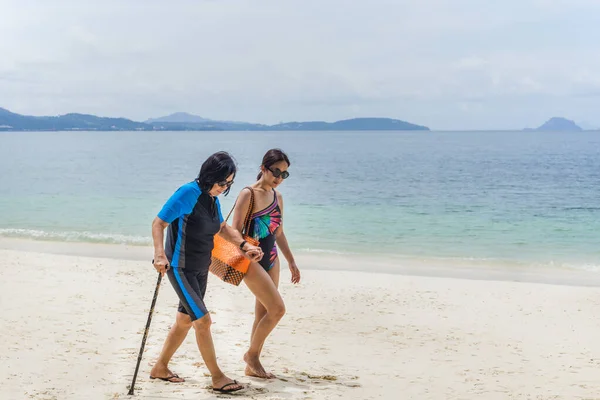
x=528 y=198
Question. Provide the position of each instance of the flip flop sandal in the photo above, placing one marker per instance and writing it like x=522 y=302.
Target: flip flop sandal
x=223 y=390
x=169 y=378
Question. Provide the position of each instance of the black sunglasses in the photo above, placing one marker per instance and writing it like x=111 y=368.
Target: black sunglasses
x=277 y=173
x=225 y=183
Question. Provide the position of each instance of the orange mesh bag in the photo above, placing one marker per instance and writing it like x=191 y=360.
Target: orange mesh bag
x=228 y=261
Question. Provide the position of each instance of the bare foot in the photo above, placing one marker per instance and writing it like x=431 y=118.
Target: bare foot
x=162 y=372
x=255 y=368
x=226 y=385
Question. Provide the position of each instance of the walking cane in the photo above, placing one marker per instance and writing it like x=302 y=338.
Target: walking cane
x=145 y=333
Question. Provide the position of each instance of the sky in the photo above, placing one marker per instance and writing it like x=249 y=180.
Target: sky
x=446 y=64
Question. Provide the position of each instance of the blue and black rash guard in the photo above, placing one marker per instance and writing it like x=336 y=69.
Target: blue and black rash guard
x=194 y=219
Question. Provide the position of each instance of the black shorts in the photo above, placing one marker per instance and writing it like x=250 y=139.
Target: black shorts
x=190 y=286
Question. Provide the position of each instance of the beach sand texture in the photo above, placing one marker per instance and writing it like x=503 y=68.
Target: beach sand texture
x=72 y=326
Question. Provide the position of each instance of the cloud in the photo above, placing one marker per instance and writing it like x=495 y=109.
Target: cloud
x=446 y=64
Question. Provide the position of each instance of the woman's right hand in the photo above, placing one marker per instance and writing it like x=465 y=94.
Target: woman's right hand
x=253 y=253
x=161 y=264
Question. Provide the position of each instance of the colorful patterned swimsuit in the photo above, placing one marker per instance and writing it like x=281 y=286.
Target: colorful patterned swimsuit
x=263 y=226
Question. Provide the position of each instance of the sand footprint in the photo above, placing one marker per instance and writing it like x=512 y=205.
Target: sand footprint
x=348 y=381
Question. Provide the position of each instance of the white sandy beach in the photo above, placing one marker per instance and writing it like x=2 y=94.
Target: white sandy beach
x=72 y=325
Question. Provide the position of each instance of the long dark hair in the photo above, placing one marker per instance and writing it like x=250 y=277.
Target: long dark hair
x=216 y=169
x=271 y=157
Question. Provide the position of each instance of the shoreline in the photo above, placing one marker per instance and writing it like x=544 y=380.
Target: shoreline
x=472 y=270
x=73 y=326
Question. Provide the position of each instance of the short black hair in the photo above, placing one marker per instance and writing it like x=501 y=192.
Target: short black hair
x=216 y=169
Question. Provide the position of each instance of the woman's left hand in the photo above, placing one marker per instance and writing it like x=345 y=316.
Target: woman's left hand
x=295 y=272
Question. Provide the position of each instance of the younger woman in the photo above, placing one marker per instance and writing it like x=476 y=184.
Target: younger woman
x=263 y=277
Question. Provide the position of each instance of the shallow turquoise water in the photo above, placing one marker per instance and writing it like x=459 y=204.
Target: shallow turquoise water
x=522 y=197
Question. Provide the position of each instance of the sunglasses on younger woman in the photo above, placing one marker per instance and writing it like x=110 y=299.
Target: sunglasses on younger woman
x=278 y=173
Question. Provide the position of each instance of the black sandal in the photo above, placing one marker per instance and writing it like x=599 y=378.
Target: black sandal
x=223 y=390
x=169 y=378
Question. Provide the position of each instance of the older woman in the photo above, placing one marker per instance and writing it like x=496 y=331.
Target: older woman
x=192 y=217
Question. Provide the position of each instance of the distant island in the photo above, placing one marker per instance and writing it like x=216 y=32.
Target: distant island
x=557 y=124
x=17 y=122
x=10 y=121
x=179 y=117
x=193 y=122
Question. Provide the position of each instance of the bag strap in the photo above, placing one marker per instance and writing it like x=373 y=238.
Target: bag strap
x=246 y=226
x=230 y=211
x=248 y=216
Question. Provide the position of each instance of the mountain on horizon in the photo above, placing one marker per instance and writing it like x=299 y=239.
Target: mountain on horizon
x=71 y=121
x=353 y=124
x=181 y=117
x=184 y=121
x=558 y=124
x=192 y=121
x=187 y=118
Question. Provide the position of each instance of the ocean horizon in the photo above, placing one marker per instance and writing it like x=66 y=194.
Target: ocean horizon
x=489 y=197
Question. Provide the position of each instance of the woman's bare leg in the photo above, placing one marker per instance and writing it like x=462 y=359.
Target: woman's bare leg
x=176 y=335
x=259 y=309
x=207 y=350
x=261 y=284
